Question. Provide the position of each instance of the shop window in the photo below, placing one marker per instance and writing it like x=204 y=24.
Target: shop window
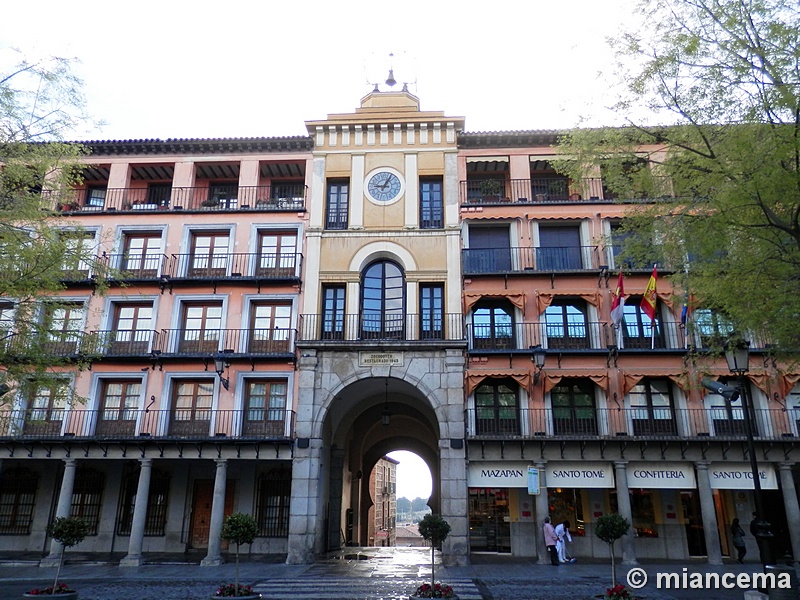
x=87 y=497
x=489 y=523
x=17 y=501
x=566 y=504
x=157 y=503
x=643 y=512
x=273 y=494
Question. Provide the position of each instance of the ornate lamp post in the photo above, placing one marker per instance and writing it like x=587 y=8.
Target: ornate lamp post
x=737 y=355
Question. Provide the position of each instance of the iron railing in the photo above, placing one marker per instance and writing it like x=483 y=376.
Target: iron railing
x=258 y=265
x=368 y=328
x=204 y=342
x=624 y=423
x=288 y=197
x=476 y=261
x=124 y=424
x=549 y=190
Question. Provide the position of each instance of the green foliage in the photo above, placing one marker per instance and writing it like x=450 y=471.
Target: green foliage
x=69 y=531
x=609 y=528
x=710 y=161
x=434 y=529
x=39 y=251
x=239 y=528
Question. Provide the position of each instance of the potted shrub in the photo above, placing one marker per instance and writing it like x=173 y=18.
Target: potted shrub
x=609 y=528
x=210 y=203
x=434 y=529
x=238 y=529
x=67 y=531
x=491 y=189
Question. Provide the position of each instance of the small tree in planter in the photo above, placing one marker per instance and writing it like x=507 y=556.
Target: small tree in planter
x=238 y=529
x=67 y=531
x=434 y=529
x=610 y=528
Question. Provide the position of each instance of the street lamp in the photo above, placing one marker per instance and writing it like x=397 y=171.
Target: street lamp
x=737 y=355
x=538 y=356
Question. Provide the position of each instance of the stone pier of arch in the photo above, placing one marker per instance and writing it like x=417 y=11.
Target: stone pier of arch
x=340 y=401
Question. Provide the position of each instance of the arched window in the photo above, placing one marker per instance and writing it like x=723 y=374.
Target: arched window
x=567 y=325
x=493 y=325
x=574 y=407
x=637 y=332
x=497 y=407
x=383 y=301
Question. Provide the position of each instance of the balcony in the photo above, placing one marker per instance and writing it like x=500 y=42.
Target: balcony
x=586 y=423
x=249 y=266
x=276 y=342
x=336 y=328
x=129 y=424
x=493 y=261
x=266 y=198
x=536 y=190
x=24 y=347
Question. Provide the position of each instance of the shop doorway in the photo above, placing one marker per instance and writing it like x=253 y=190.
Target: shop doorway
x=489 y=520
x=695 y=538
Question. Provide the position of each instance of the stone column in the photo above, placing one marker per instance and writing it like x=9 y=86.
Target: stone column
x=708 y=513
x=63 y=508
x=542 y=510
x=453 y=507
x=134 y=557
x=792 y=508
x=214 y=556
x=624 y=508
x=305 y=531
x=335 y=525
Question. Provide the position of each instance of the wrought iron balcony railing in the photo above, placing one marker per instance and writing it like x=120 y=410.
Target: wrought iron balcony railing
x=282 y=197
x=244 y=342
x=247 y=265
x=130 y=424
x=367 y=328
x=579 y=422
x=478 y=261
x=547 y=190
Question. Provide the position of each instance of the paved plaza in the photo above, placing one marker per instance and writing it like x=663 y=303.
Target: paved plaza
x=355 y=574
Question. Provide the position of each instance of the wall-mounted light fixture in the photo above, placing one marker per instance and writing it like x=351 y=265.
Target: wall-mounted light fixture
x=155 y=360
x=604 y=275
x=538 y=356
x=386 y=416
x=613 y=354
x=222 y=362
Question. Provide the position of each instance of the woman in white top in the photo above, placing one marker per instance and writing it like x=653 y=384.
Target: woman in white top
x=562 y=537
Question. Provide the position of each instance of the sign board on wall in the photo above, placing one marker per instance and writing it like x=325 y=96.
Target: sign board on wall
x=506 y=474
x=533 y=481
x=579 y=475
x=739 y=476
x=662 y=476
x=373 y=359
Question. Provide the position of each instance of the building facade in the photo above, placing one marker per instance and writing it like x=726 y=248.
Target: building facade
x=283 y=312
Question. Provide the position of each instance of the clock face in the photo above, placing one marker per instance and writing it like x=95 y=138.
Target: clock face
x=384 y=186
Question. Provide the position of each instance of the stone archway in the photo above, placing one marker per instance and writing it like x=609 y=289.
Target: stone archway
x=345 y=437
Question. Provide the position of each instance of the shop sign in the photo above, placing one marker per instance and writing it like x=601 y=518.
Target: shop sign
x=375 y=359
x=580 y=475
x=739 y=476
x=662 y=476
x=504 y=474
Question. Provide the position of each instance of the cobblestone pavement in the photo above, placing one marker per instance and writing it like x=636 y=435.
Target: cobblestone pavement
x=357 y=574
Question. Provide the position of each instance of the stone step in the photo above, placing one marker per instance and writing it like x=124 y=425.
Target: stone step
x=351 y=588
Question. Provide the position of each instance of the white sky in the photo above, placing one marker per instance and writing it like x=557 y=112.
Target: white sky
x=413 y=475
x=242 y=68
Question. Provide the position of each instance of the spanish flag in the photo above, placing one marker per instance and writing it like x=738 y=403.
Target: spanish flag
x=649 y=299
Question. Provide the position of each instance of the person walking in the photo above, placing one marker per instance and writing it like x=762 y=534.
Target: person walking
x=562 y=537
x=550 y=541
x=737 y=535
